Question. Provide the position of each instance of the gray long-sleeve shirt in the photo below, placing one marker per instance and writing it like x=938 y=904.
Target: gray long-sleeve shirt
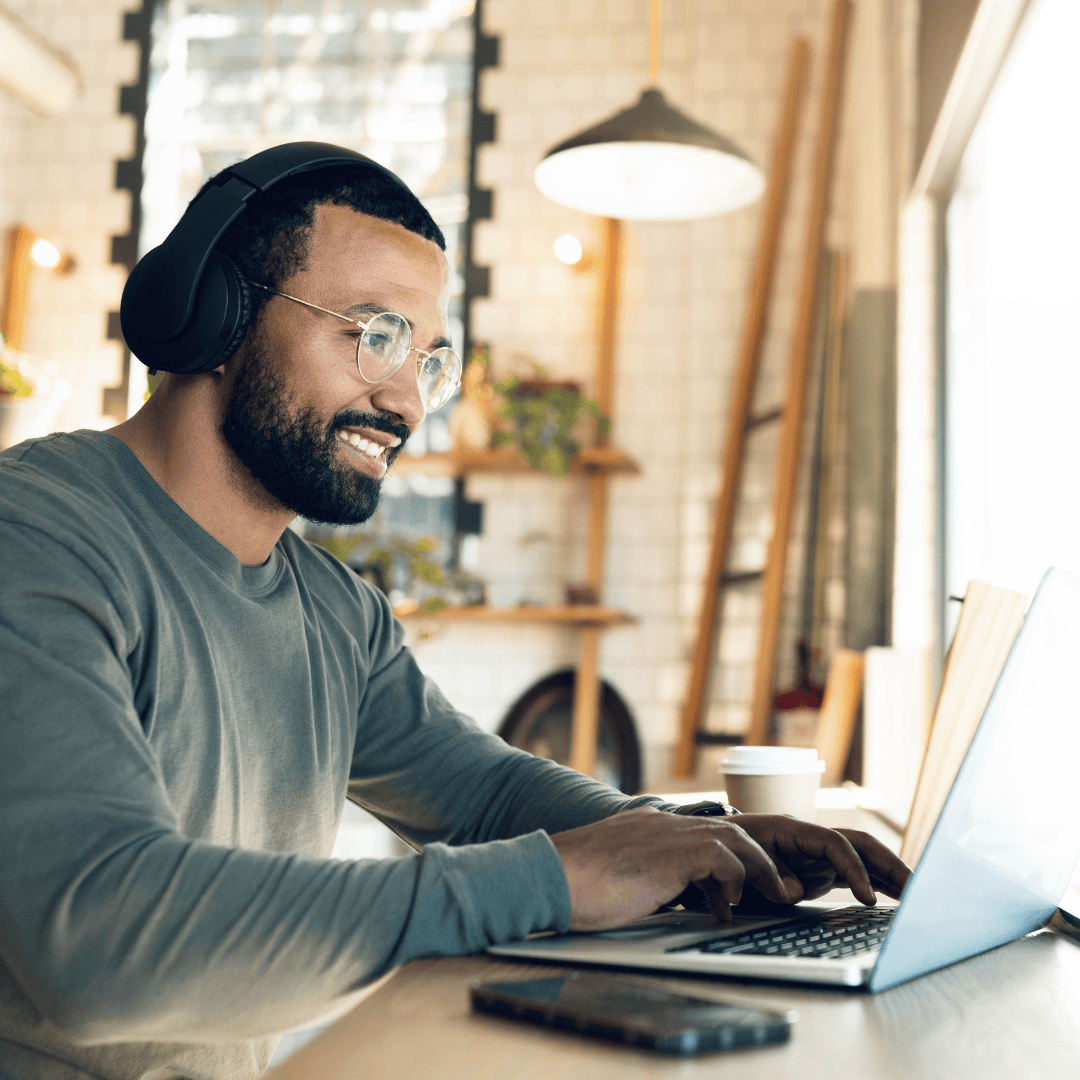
x=178 y=736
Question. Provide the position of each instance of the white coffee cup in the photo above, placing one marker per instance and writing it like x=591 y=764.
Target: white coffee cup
x=773 y=779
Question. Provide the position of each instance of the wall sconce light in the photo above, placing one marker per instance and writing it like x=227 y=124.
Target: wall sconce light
x=568 y=249
x=570 y=252
x=48 y=256
x=25 y=250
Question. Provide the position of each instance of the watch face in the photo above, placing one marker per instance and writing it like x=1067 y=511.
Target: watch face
x=716 y=810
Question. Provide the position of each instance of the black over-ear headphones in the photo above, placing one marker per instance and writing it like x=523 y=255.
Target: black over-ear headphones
x=185 y=306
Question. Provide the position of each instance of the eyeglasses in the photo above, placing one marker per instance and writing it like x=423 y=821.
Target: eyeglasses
x=384 y=344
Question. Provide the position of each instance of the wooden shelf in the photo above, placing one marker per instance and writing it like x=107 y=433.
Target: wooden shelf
x=560 y=614
x=591 y=461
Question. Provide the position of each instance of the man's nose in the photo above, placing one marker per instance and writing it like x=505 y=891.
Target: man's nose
x=400 y=395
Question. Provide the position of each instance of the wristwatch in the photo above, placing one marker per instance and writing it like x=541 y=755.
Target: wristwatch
x=708 y=809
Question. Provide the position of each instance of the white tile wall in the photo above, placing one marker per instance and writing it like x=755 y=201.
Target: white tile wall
x=56 y=175
x=683 y=294
x=564 y=64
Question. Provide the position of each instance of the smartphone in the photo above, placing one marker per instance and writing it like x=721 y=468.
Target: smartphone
x=597 y=1004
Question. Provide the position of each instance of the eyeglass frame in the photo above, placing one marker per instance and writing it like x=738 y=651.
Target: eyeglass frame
x=363 y=327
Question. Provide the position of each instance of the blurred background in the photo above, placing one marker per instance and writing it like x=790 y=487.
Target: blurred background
x=937 y=441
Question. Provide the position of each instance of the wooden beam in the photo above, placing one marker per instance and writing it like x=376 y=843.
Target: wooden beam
x=787 y=466
x=607 y=317
x=586 y=701
x=586 y=717
x=753 y=334
x=16 y=284
x=836 y=721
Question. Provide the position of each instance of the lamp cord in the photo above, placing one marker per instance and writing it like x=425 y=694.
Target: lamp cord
x=654 y=41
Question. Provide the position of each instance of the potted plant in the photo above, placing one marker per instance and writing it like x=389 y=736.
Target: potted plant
x=544 y=416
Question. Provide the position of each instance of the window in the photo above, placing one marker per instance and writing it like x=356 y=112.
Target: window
x=389 y=78
x=1012 y=339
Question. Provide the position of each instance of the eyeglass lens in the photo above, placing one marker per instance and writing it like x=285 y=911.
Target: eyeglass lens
x=439 y=376
x=383 y=348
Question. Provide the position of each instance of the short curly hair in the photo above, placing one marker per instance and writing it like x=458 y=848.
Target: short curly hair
x=271 y=240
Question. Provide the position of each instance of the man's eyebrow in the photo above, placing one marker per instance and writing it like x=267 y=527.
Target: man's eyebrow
x=362 y=311
x=357 y=311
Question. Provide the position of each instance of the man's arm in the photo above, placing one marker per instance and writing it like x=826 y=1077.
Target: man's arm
x=431 y=774
x=118 y=927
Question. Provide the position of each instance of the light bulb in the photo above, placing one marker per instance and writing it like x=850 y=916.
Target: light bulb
x=568 y=249
x=46 y=255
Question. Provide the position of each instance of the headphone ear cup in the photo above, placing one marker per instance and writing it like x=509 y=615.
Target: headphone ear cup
x=218 y=322
x=243 y=316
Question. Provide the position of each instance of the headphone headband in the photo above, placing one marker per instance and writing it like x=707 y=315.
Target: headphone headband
x=171 y=315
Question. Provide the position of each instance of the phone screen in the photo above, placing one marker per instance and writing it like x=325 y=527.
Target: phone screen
x=599 y=1004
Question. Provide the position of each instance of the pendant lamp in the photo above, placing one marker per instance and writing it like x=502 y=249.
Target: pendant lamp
x=650 y=162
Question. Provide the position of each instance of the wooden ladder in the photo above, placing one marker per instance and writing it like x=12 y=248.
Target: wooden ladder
x=741 y=422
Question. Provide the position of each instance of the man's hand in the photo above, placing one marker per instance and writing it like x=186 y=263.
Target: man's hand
x=628 y=865
x=824 y=859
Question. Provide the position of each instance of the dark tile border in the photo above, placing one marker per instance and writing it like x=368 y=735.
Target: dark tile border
x=482 y=129
x=129 y=177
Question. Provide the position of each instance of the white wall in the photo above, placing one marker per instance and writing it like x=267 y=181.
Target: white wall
x=565 y=65
x=56 y=176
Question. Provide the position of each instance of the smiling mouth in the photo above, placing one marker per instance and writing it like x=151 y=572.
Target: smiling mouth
x=375 y=450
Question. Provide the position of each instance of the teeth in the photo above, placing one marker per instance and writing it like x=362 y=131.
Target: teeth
x=366 y=446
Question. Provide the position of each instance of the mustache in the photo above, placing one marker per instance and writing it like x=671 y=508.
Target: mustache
x=377 y=421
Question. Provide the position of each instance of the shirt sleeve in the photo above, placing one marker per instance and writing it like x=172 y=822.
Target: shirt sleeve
x=118 y=927
x=431 y=774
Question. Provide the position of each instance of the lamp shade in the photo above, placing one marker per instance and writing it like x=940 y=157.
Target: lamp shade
x=650 y=163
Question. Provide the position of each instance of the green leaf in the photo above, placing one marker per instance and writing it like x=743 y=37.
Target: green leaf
x=426 y=571
x=433 y=604
x=13 y=382
x=341 y=547
x=383 y=558
x=556 y=461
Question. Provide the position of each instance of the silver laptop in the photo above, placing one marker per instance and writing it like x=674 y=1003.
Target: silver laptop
x=998 y=863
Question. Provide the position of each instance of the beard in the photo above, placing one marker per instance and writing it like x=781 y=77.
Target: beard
x=294 y=455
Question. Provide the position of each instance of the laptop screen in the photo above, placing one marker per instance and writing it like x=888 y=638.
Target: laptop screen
x=1006 y=844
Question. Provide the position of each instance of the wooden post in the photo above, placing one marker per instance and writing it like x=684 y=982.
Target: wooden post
x=16 y=284
x=836 y=721
x=586 y=701
x=787 y=465
x=587 y=679
x=753 y=333
x=607 y=317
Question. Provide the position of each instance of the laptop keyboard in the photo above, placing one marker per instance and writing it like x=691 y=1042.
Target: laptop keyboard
x=841 y=933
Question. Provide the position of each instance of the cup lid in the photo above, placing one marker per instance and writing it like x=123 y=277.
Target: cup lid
x=771 y=760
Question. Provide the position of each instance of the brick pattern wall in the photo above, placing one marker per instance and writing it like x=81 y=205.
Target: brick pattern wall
x=564 y=66
x=57 y=176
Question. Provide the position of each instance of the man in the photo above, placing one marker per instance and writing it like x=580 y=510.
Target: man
x=190 y=693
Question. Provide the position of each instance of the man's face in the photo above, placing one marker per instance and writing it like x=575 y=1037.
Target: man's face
x=297 y=396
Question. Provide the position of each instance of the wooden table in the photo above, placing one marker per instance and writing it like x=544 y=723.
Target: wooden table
x=1013 y=1014
x=1009 y=1014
